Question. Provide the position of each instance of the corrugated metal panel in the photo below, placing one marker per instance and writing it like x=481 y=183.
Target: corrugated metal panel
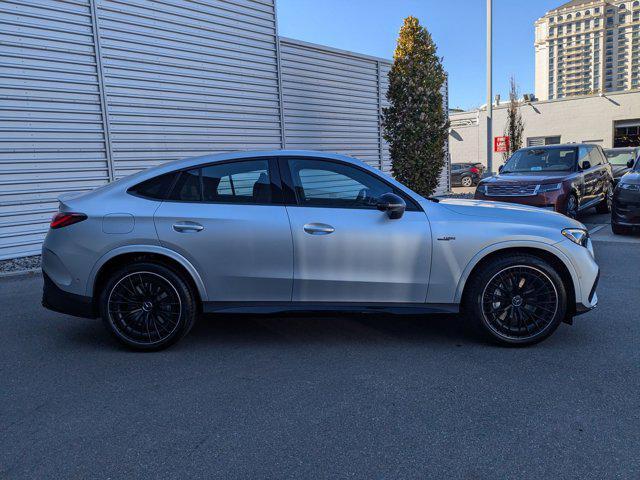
x=333 y=101
x=330 y=100
x=51 y=126
x=97 y=89
x=186 y=78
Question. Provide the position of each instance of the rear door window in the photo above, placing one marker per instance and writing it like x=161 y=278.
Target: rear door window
x=247 y=182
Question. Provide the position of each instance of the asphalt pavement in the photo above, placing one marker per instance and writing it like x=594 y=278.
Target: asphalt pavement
x=323 y=397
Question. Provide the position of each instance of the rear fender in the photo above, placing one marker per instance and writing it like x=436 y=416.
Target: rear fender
x=158 y=250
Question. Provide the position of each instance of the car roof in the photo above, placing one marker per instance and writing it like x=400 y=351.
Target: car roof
x=124 y=183
x=621 y=149
x=561 y=145
x=239 y=155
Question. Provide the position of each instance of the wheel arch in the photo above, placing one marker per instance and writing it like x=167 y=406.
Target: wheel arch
x=129 y=253
x=541 y=250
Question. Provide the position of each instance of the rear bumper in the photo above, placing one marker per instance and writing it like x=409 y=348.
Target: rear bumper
x=57 y=300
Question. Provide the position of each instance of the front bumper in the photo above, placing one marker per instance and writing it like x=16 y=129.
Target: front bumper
x=626 y=208
x=56 y=299
x=592 y=299
x=549 y=200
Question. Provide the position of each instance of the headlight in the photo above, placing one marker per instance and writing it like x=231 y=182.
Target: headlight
x=552 y=187
x=629 y=186
x=577 y=235
x=482 y=189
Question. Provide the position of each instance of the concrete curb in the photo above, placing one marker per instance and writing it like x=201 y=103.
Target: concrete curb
x=20 y=273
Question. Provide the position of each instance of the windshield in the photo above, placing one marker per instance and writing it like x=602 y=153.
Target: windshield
x=620 y=157
x=542 y=160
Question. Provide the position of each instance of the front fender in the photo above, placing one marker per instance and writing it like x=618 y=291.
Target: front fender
x=156 y=249
x=549 y=248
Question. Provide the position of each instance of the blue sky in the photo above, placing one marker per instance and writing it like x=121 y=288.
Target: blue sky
x=457 y=26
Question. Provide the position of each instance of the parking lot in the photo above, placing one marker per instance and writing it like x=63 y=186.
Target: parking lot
x=317 y=397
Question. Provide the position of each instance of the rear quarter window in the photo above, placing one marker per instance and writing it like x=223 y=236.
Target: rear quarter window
x=156 y=188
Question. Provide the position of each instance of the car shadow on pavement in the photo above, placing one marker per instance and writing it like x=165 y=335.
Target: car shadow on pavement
x=327 y=330
x=294 y=329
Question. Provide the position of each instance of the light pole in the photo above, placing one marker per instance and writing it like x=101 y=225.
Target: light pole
x=489 y=88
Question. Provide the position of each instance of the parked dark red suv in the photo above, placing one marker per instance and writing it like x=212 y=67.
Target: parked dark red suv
x=565 y=178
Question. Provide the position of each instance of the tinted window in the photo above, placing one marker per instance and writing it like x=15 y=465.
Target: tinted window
x=238 y=182
x=620 y=157
x=234 y=182
x=154 y=188
x=187 y=187
x=327 y=184
x=542 y=160
x=595 y=158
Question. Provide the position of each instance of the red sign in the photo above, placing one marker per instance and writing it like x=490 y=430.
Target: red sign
x=501 y=144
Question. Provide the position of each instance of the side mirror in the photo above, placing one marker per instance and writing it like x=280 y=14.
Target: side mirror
x=500 y=168
x=630 y=164
x=392 y=204
x=586 y=165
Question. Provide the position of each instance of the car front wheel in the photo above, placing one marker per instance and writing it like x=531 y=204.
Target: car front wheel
x=516 y=300
x=147 y=306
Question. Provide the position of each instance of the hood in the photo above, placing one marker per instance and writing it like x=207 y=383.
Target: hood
x=527 y=178
x=509 y=212
x=632 y=177
x=619 y=170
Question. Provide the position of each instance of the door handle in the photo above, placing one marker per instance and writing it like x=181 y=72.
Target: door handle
x=318 y=229
x=184 y=227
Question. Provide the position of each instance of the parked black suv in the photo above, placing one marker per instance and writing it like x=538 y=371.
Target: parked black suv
x=466 y=174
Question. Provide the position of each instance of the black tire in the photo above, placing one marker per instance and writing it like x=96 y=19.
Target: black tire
x=605 y=205
x=620 y=229
x=466 y=181
x=529 y=308
x=148 y=306
x=571 y=206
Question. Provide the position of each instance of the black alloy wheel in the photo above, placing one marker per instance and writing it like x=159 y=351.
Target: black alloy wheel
x=572 y=206
x=519 y=302
x=515 y=299
x=148 y=306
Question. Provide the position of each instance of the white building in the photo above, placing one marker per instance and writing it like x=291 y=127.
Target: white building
x=610 y=120
x=588 y=46
x=93 y=90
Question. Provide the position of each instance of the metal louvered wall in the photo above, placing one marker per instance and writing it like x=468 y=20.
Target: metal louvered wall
x=93 y=90
x=52 y=137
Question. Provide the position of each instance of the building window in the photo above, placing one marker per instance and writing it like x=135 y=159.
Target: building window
x=541 y=141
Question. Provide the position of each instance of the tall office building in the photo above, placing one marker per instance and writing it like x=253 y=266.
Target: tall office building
x=586 y=47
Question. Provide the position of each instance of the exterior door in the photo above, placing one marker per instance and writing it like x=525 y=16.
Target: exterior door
x=345 y=250
x=228 y=221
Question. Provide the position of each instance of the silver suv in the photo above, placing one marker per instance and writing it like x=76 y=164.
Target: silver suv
x=293 y=230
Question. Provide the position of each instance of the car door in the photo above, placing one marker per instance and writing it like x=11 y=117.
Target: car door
x=604 y=172
x=590 y=176
x=455 y=174
x=229 y=221
x=345 y=250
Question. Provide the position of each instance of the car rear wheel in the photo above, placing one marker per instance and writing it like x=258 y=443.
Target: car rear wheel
x=516 y=300
x=605 y=205
x=467 y=181
x=148 y=306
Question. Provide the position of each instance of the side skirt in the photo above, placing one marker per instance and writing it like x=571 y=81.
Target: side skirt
x=281 y=307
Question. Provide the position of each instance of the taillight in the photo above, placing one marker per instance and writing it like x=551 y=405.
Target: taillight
x=475 y=170
x=64 y=219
